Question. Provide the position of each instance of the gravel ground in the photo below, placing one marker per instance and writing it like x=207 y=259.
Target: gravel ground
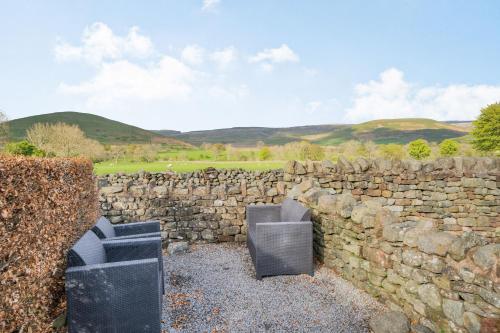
x=213 y=288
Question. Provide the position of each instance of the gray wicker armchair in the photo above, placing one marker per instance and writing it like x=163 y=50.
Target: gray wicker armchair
x=107 y=231
x=114 y=286
x=104 y=229
x=280 y=239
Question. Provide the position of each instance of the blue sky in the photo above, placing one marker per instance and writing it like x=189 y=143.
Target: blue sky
x=202 y=64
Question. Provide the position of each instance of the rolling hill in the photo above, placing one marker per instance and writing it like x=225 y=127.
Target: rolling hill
x=102 y=129
x=249 y=136
x=383 y=131
x=380 y=131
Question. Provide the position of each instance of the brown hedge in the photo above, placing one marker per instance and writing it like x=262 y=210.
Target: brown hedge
x=45 y=205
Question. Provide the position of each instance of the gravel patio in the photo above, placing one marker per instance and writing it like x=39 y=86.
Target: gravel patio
x=212 y=288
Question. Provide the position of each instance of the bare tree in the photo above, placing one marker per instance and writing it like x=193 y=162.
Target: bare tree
x=149 y=152
x=115 y=152
x=64 y=140
x=4 y=128
x=40 y=135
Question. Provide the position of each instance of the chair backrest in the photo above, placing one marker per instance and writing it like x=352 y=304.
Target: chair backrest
x=292 y=211
x=87 y=251
x=103 y=228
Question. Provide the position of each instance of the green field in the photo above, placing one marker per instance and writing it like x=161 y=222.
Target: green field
x=186 y=154
x=108 y=167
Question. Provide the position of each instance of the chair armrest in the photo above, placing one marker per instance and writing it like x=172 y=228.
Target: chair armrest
x=110 y=266
x=261 y=213
x=284 y=246
x=280 y=233
x=119 y=296
x=147 y=235
x=132 y=249
x=136 y=228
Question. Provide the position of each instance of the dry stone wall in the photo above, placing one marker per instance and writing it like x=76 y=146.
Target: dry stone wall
x=423 y=237
x=458 y=194
x=199 y=206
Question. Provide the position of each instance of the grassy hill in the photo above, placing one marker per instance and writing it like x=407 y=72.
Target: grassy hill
x=249 y=136
x=102 y=129
x=401 y=131
x=380 y=131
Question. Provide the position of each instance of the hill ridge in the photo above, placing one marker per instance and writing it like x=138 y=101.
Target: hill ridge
x=102 y=129
x=108 y=131
x=399 y=130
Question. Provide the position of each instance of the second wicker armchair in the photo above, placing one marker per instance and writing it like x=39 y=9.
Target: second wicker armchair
x=280 y=239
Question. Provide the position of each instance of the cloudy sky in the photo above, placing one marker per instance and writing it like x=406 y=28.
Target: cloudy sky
x=203 y=64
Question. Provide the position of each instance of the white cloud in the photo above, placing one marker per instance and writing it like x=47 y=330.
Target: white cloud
x=119 y=78
x=66 y=52
x=193 y=54
x=209 y=5
x=99 y=43
x=276 y=55
x=224 y=57
x=136 y=44
x=392 y=97
x=122 y=80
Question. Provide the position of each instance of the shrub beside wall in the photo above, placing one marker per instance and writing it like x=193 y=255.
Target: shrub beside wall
x=45 y=205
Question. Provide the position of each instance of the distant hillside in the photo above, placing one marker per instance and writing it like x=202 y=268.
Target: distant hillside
x=380 y=131
x=109 y=131
x=249 y=136
x=102 y=129
x=402 y=131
